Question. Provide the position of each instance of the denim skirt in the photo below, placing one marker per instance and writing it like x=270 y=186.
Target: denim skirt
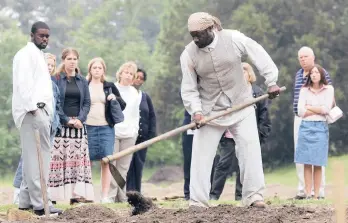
x=313 y=143
x=101 y=140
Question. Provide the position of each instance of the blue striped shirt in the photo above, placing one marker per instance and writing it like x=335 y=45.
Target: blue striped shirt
x=299 y=82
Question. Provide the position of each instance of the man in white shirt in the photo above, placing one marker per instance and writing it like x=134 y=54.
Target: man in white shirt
x=32 y=109
x=213 y=81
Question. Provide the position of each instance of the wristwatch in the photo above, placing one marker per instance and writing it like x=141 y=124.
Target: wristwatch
x=40 y=104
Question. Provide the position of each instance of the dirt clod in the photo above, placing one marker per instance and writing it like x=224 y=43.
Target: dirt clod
x=140 y=203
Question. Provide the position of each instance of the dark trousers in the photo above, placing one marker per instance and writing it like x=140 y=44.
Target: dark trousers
x=226 y=164
x=187 y=152
x=136 y=167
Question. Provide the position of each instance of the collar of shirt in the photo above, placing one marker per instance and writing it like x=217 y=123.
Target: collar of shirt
x=212 y=45
x=300 y=74
x=321 y=89
x=34 y=48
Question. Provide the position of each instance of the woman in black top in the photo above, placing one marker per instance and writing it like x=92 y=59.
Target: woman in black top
x=70 y=176
x=147 y=130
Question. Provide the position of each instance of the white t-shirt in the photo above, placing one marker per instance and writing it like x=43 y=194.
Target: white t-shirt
x=130 y=126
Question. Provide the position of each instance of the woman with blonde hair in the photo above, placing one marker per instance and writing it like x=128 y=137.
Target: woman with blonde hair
x=51 y=63
x=126 y=132
x=70 y=175
x=101 y=119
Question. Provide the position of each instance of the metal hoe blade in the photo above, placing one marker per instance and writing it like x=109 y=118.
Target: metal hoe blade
x=117 y=176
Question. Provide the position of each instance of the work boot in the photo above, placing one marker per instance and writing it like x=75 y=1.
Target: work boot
x=52 y=210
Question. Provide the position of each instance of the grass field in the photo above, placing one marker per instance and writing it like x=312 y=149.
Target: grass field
x=283 y=176
x=287 y=175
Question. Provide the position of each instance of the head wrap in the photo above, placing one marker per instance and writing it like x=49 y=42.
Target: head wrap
x=201 y=20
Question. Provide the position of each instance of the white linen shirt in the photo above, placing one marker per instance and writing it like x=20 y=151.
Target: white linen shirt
x=243 y=45
x=31 y=83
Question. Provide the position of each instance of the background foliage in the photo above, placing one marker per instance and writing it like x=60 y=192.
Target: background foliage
x=154 y=32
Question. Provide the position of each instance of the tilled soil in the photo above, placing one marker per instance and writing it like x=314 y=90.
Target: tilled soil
x=221 y=213
x=88 y=213
x=229 y=214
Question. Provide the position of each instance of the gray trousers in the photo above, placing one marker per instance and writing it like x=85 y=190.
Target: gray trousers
x=248 y=151
x=30 y=189
x=122 y=165
x=18 y=176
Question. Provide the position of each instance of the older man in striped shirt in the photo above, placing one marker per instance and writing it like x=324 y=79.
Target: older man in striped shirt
x=306 y=58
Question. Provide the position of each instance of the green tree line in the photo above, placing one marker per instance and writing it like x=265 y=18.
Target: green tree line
x=153 y=33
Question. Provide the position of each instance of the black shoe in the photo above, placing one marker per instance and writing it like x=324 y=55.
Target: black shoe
x=25 y=209
x=299 y=197
x=214 y=198
x=52 y=210
x=238 y=198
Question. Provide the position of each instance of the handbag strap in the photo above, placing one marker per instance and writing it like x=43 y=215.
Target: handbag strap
x=334 y=102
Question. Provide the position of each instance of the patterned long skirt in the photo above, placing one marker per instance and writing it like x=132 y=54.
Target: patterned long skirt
x=70 y=168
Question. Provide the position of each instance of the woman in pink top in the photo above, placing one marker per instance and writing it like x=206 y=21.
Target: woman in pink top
x=315 y=101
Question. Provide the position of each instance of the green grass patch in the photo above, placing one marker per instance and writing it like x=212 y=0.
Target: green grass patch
x=7 y=180
x=287 y=175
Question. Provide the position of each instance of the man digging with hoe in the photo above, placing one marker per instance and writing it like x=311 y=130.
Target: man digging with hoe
x=212 y=82
x=214 y=91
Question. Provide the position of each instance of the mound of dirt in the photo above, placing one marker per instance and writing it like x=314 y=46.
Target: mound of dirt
x=219 y=214
x=167 y=174
x=228 y=213
x=88 y=214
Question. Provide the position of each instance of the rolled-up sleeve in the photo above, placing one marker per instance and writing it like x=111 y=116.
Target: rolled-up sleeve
x=189 y=87
x=258 y=55
x=302 y=103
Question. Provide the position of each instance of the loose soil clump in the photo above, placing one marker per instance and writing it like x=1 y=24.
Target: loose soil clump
x=140 y=203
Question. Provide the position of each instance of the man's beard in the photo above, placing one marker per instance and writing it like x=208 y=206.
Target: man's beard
x=41 y=46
